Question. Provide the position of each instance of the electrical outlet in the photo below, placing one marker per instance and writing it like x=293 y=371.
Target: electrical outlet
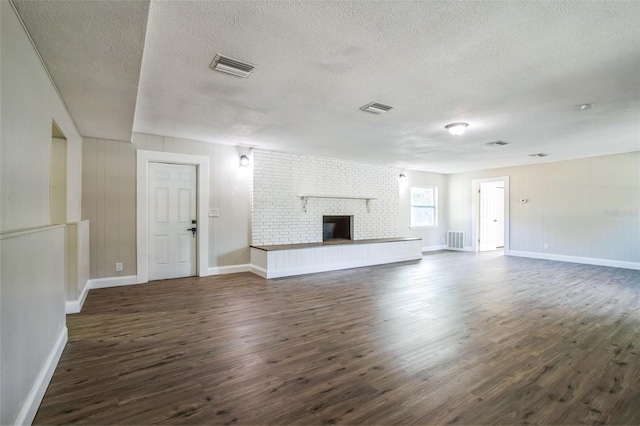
x=546 y=246
x=119 y=267
x=214 y=213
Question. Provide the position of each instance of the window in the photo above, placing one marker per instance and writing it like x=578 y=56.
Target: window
x=424 y=206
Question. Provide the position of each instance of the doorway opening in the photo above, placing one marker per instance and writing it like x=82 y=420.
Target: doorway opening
x=490 y=214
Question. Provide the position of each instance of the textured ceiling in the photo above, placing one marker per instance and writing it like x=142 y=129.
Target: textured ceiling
x=93 y=50
x=515 y=71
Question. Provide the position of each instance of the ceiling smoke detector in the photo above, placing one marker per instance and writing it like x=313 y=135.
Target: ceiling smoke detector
x=232 y=66
x=376 y=108
x=540 y=154
x=497 y=143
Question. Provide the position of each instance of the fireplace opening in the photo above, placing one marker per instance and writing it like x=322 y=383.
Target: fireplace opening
x=336 y=228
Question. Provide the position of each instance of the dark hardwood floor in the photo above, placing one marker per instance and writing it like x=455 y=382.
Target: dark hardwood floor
x=455 y=338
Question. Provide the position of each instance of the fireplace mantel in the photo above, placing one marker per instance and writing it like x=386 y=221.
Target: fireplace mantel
x=305 y=197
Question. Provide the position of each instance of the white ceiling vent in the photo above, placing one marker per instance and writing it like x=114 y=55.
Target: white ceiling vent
x=232 y=66
x=540 y=154
x=376 y=108
x=497 y=143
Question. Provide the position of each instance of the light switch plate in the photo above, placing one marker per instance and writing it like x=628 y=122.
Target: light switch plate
x=214 y=212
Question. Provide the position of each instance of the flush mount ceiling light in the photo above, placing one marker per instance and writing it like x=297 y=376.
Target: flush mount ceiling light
x=497 y=143
x=376 y=107
x=540 y=154
x=232 y=66
x=456 y=129
x=585 y=106
x=244 y=161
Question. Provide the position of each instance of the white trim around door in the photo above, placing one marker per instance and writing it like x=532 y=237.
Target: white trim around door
x=143 y=158
x=475 y=210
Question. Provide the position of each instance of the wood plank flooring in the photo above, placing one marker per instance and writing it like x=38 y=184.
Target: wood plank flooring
x=456 y=338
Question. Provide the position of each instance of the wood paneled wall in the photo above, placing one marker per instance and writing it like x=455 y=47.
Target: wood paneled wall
x=109 y=203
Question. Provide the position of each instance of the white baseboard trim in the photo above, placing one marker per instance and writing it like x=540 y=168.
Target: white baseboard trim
x=32 y=403
x=576 y=259
x=279 y=273
x=75 y=306
x=434 y=248
x=112 y=281
x=258 y=271
x=233 y=269
x=462 y=249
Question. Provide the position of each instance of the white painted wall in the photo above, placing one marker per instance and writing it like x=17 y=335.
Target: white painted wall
x=58 y=182
x=32 y=279
x=433 y=238
x=109 y=200
x=587 y=208
x=279 y=179
x=29 y=104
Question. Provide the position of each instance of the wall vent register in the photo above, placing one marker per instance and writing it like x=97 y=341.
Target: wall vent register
x=232 y=66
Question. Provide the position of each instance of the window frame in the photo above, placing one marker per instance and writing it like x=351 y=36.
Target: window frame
x=412 y=224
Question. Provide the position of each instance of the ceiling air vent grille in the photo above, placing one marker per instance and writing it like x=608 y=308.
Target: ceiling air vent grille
x=376 y=108
x=497 y=143
x=540 y=154
x=232 y=66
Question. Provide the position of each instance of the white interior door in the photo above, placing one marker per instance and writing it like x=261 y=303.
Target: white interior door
x=491 y=216
x=172 y=208
x=500 y=215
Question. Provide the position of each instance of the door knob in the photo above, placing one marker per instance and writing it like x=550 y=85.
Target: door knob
x=193 y=230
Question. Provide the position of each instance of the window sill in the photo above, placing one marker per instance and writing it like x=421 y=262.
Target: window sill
x=422 y=227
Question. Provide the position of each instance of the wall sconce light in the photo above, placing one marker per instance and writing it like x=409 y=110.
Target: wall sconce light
x=244 y=161
x=402 y=178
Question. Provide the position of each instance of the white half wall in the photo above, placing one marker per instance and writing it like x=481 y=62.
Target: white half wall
x=32 y=318
x=76 y=259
